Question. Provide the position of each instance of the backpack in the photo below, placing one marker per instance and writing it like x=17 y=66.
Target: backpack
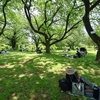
x=66 y=83
x=64 y=86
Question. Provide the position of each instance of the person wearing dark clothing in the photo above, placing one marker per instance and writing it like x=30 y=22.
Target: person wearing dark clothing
x=78 y=54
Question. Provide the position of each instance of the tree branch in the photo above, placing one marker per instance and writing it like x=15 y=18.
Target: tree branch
x=52 y=21
x=28 y=15
x=94 y=5
x=4 y=14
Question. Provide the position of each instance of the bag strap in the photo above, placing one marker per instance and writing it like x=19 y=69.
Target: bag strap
x=77 y=86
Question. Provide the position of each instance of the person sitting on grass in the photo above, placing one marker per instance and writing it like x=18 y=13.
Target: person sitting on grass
x=77 y=55
x=4 y=51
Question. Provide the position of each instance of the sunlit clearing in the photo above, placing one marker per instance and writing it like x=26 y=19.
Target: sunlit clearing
x=0 y=79
x=56 y=68
x=10 y=66
x=22 y=75
x=14 y=97
x=6 y=66
x=92 y=71
x=81 y=70
x=37 y=82
x=43 y=95
x=41 y=76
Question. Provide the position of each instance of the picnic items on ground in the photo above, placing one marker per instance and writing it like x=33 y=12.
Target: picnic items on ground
x=78 y=85
x=78 y=88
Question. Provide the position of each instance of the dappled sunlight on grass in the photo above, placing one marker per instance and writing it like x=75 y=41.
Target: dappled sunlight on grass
x=31 y=76
x=97 y=72
x=21 y=75
x=14 y=97
x=54 y=68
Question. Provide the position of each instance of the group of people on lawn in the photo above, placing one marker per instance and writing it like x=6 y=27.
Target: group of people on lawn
x=79 y=53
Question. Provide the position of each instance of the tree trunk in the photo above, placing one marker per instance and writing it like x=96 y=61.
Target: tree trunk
x=93 y=36
x=13 y=43
x=47 y=47
x=37 y=47
x=98 y=53
x=88 y=26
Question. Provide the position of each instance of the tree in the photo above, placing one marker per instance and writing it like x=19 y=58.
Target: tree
x=89 y=6
x=35 y=38
x=15 y=28
x=55 y=19
x=3 y=4
x=13 y=38
x=76 y=39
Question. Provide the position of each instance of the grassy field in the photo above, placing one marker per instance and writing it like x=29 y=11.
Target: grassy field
x=31 y=76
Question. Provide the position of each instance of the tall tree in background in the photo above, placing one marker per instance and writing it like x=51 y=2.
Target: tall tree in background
x=55 y=19
x=76 y=39
x=89 y=6
x=35 y=38
x=16 y=23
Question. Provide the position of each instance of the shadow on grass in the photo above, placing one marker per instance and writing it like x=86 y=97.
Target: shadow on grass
x=35 y=77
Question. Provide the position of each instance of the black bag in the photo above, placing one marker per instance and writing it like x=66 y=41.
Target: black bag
x=66 y=83
x=63 y=84
x=96 y=91
x=71 y=76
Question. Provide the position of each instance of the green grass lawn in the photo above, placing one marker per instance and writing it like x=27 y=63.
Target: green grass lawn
x=31 y=76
